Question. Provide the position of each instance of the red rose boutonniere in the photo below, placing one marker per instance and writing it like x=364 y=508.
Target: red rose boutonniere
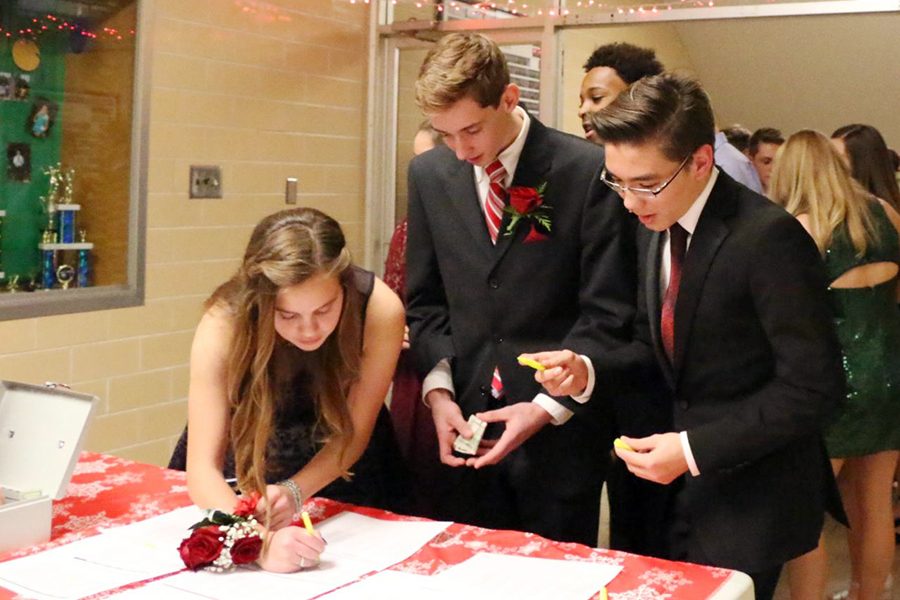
x=222 y=540
x=528 y=203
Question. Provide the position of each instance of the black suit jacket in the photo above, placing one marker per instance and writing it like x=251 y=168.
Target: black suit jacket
x=756 y=373
x=481 y=305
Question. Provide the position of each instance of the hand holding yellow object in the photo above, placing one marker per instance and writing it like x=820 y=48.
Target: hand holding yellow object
x=528 y=362
x=618 y=443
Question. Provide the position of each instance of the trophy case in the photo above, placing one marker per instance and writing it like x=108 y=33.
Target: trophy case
x=73 y=131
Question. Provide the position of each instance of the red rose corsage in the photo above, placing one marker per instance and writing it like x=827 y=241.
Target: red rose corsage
x=222 y=540
x=528 y=203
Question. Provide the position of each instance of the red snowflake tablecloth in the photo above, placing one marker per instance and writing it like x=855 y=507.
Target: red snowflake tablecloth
x=107 y=491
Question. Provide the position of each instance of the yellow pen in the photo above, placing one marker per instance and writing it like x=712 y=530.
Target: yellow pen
x=528 y=362
x=603 y=594
x=307 y=523
x=618 y=443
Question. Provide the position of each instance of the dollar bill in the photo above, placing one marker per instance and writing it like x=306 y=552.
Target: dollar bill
x=470 y=446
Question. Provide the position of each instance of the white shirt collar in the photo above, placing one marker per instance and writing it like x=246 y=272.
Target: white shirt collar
x=510 y=156
x=689 y=219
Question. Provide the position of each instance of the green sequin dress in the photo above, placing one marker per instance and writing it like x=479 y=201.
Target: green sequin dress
x=868 y=326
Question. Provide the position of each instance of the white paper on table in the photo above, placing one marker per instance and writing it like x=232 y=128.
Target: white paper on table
x=162 y=529
x=243 y=583
x=391 y=585
x=156 y=590
x=71 y=576
x=377 y=542
x=149 y=547
x=116 y=557
x=493 y=576
x=356 y=545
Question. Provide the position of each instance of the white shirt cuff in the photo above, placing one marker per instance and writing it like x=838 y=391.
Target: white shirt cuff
x=589 y=388
x=688 y=455
x=440 y=377
x=559 y=414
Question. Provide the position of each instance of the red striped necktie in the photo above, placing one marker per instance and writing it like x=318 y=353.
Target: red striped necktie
x=496 y=198
x=493 y=214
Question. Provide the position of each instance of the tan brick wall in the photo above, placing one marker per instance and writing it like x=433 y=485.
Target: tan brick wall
x=275 y=93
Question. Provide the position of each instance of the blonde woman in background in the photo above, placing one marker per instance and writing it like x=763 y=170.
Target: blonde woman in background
x=857 y=235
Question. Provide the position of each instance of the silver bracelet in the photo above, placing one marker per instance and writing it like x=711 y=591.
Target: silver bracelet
x=294 y=489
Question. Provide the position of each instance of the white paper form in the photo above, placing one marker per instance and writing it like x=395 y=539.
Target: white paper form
x=71 y=577
x=377 y=542
x=492 y=576
x=245 y=582
x=114 y=558
x=356 y=545
x=156 y=590
x=149 y=547
x=391 y=585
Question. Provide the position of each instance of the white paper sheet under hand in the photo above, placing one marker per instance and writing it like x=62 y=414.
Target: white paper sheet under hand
x=356 y=545
x=391 y=585
x=492 y=576
x=377 y=542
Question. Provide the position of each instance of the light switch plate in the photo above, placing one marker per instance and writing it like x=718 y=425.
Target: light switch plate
x=206 y=182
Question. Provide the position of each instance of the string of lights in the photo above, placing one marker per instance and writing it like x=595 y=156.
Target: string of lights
x=51 y=23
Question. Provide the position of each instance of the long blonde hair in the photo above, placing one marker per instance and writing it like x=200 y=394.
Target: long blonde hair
x=286 y=248
x=811 y=178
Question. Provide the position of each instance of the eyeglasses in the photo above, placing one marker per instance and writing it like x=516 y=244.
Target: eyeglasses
x=640 y=191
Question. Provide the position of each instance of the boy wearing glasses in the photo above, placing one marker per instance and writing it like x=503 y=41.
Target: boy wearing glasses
x=732 y=308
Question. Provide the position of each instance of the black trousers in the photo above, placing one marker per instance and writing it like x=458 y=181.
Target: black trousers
x=637 y=512
x=685 y=548
x=488 y=498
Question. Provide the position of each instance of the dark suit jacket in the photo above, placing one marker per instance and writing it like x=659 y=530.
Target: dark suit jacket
x=482 y=305
x=756 y=373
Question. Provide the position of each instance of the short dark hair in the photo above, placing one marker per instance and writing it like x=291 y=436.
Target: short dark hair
x=629 y=61
x=738 y=136
x=670 y=109
x=764 y=135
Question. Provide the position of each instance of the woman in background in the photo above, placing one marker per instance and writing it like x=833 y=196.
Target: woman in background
x=857 y=235
x=870 y=161
x=289 y=368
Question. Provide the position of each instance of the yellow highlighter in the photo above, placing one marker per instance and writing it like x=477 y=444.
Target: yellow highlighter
x=528 y=362
x=618 y=443
x=307 y=523
x=603 y=593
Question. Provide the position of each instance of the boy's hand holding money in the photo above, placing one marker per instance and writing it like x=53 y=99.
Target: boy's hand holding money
x=522 y=420
x=448 y=423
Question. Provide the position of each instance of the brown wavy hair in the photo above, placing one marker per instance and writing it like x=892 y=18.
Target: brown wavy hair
x=285 y=249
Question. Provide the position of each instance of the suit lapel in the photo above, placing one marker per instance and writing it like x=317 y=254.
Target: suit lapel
x=711 y=231
x=534 y=166
x=463 y=196
x=651 y=288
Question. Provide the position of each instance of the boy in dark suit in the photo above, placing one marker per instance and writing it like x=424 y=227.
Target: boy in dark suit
x=514 y=245
x=732 y=307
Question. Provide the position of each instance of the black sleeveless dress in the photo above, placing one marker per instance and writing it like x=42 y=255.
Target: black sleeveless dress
x=379 y=478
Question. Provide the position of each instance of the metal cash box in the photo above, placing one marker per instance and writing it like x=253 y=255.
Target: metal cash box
x=42 y=429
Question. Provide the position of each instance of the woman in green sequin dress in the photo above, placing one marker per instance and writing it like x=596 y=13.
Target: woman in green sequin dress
x=859 y=237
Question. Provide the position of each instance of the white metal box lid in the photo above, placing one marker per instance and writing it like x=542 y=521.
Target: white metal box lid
x=42 y=429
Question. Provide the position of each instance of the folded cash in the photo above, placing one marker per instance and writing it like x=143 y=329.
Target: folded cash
x=470 y=446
